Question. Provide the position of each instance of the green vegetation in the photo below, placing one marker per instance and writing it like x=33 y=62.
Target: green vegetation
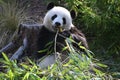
x=101 y=19
x=98 y=19
x=10 y=17
x=79 y=67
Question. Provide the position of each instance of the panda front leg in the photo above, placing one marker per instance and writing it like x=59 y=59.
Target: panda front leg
x=47 y=61
x=21 y=50
x=51 y=59
x=8 y=48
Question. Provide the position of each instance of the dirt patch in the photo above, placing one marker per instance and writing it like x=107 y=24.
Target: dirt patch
x=37 y=10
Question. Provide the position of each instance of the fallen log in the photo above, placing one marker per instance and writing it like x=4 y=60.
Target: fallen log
x=24 y=42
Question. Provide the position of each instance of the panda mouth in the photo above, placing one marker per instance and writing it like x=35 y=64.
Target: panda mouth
x=58 y=28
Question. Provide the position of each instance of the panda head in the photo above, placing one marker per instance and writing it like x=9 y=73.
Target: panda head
x=58 y=18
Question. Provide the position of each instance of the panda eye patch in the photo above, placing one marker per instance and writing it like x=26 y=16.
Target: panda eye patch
x=64 y=20
x=54 y=16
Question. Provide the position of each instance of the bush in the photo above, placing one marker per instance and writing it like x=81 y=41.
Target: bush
x=100 y=20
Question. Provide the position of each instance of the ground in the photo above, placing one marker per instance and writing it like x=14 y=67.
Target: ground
x=36 y=10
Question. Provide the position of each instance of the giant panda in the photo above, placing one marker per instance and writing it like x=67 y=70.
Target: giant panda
x=58 y=19
x=39 y=39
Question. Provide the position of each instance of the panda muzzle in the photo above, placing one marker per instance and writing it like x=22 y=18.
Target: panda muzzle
x=59 y=28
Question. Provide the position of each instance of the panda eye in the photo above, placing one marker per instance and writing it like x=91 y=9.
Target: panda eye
x=64 y=20
x=54 y=16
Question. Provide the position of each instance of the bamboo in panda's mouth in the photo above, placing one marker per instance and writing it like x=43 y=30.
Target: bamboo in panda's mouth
x=60 y=29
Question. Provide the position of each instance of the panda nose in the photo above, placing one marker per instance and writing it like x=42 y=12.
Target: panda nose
x=57 y=24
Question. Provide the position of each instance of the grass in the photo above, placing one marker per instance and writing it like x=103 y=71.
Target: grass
x=10 y=17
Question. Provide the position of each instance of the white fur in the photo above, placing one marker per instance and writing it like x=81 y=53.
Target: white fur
x=47 y=61
x=61 y=12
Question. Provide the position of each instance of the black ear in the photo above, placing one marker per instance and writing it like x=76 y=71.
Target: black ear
x=50 y=6
x=73 y=14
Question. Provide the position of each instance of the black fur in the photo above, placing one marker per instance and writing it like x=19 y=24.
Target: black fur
x=53 y=17
x=50 y=6
x=46 y=37
x=73 y=14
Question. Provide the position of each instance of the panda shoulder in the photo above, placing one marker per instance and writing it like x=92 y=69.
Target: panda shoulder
x=41 y=26
x=78 y=36
x=76 y=31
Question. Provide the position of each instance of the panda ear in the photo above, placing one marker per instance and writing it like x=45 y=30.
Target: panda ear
x=50 y=6
x=73 y=14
